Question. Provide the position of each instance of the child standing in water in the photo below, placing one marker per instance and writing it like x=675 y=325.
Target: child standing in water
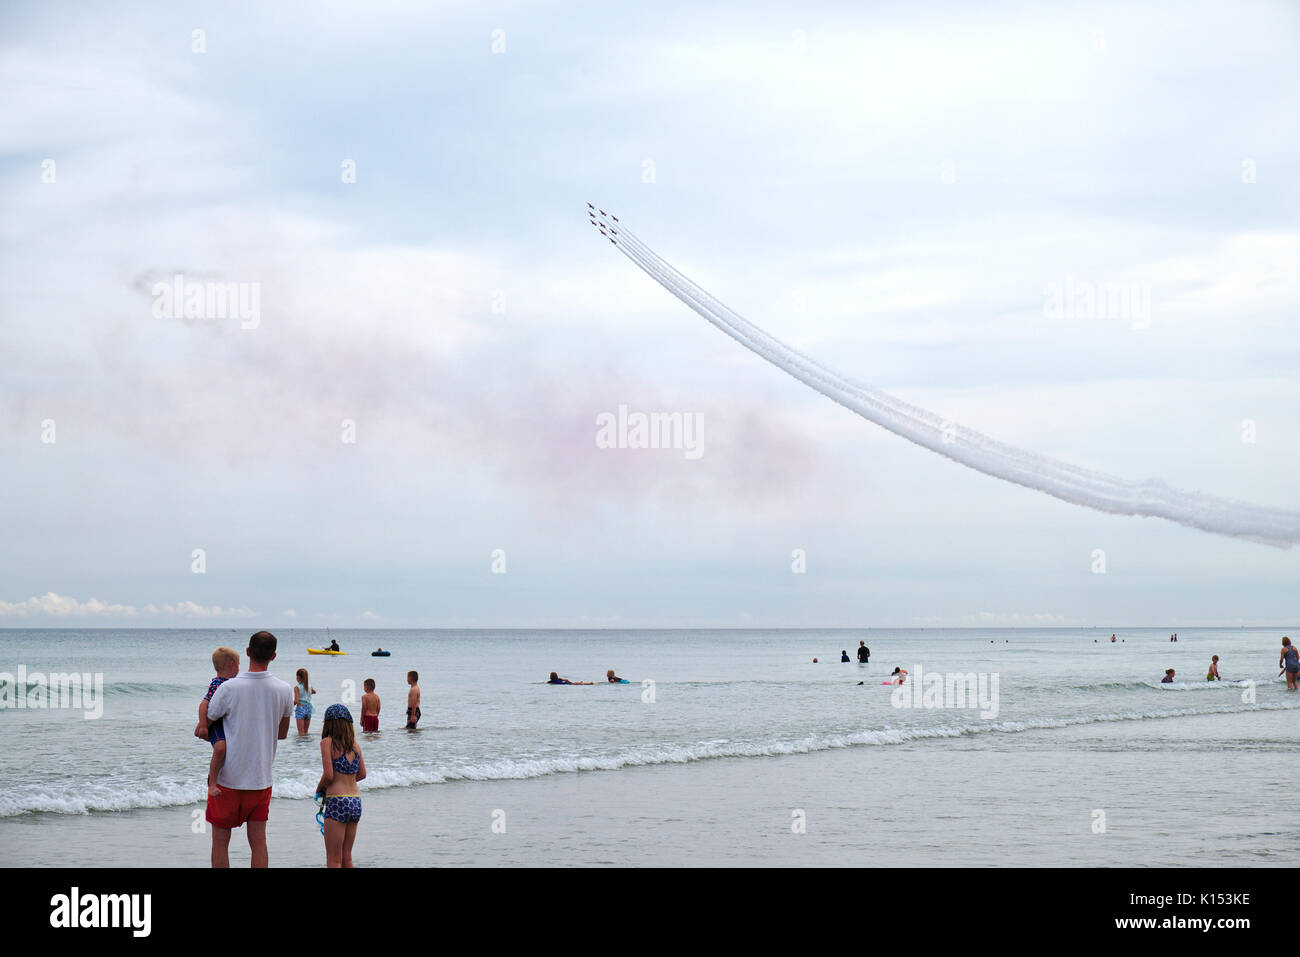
x=226 y=662
x=370 y=707
x=343 y=769
x=1213 y=673
x=412 y=700
x=302 y=692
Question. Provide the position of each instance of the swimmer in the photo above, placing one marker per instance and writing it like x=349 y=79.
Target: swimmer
x=615 y=679
x=1213 y=673
x=369 y=707
x=413 y=712
x=1168 y=679
x=1290 y=663
x=302 y=709
x=1112 y=638
x=898 y=676
x=844 y=655
x=557 y=680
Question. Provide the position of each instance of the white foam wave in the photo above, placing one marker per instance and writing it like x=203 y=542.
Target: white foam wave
x=83 y=799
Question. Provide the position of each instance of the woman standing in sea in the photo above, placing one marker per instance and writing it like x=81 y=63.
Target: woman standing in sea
x=1289 y=662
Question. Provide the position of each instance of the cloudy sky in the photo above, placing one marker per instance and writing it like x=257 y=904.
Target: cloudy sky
x=403 y=432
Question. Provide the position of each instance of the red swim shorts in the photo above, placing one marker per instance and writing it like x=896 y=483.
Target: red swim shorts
x=234 y=807
x=370 y=722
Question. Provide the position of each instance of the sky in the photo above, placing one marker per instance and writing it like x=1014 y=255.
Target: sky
x=404 y=431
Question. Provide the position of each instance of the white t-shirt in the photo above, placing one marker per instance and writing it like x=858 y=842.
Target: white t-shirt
x=252 y=704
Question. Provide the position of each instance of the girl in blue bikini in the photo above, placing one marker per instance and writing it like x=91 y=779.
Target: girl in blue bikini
x=343 y=768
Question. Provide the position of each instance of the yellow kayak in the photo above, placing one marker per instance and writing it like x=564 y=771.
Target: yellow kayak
x=323 y=651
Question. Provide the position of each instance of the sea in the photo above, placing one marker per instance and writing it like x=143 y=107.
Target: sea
x=1004 y=747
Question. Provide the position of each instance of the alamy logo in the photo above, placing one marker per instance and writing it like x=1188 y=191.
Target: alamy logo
x=653 y=430
x=179 y=299
x=70 y=691
x=102 y=910
x=1080 y=299
x=943 y=690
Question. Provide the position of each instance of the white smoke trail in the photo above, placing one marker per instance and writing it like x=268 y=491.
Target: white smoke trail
x=1148 y=497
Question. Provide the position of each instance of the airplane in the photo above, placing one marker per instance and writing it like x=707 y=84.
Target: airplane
x=615 y=218
x=589 y=206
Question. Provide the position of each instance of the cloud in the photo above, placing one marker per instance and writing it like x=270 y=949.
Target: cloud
x=820 y=153
x=52 y=605
x=189 y=609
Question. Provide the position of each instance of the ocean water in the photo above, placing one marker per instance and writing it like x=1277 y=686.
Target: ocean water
x=730 y=747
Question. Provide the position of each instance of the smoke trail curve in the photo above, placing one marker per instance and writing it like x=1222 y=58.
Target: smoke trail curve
x=1147 y=497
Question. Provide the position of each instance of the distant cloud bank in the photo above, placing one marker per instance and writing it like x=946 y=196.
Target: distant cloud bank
x=52 y=605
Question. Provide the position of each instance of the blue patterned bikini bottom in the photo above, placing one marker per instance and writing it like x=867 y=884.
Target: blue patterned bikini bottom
x=344 y=808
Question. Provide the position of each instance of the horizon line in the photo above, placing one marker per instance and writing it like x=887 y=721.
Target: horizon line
x=664 y=628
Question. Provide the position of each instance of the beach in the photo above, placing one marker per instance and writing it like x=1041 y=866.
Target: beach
x=742 y=752
x=917 y=805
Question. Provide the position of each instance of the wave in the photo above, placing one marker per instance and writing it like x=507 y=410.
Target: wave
x=84 y=799
x=1174 y=686
x=116 y=688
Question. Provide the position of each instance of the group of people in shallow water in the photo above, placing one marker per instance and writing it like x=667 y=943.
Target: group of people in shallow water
x=1289 y=663
x=610 y=677
x=864 y=654
x=1211 y=674
x=244 y=714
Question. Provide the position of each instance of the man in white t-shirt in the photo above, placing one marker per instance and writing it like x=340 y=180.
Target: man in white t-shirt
x=255 y=706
